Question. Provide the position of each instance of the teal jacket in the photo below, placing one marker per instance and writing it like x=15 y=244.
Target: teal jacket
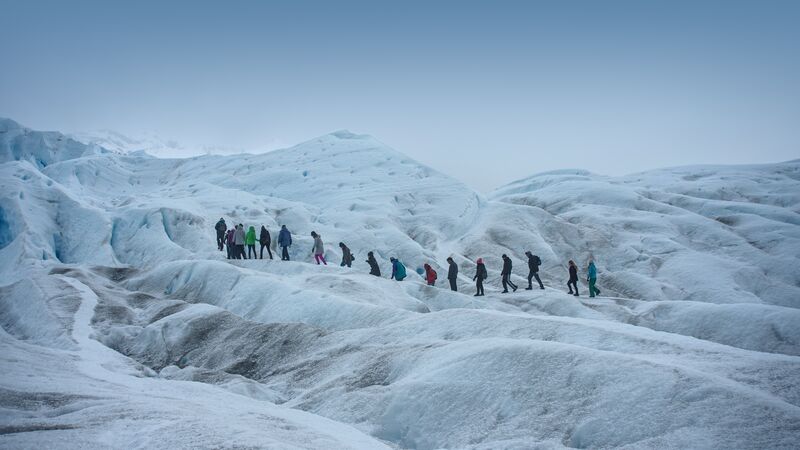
x=592 y=271
x=398 y=270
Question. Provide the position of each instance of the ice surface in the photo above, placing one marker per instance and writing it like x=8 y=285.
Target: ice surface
x=123 y=326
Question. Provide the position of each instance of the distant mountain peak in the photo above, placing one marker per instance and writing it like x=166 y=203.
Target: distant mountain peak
x=7 y=124
x=347 y=134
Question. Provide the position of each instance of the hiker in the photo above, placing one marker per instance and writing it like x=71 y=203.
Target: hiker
x=398 y=269
x=347 y=257
x=533 y=270
x=285 y=241
x=452 y=274
x=506 y=274
x=374 y=269
x=592 y=279
x=319 y=248
x=221 y=228
x=250 y=240
x=265 y=239
x=480 y=275
x=229 y=243
x=573 y=277
x=238 y=241
x=430 y=275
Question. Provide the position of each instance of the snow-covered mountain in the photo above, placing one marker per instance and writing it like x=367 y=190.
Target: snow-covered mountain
x=149 y=143
x=122 y=325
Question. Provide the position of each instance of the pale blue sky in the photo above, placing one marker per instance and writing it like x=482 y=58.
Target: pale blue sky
x=484 y=91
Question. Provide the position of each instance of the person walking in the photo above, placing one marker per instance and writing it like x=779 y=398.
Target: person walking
x=238 y=240
x=573 y=278
x=592 y=279
x=506 y=274
x=533 y=270
x=265 y=240
x=319 y=248
x=452 y=274
x=430 y=275
x=347 y=257
x=285 y=241
x=480 y=275
x=374 y=269
x=398 y=269
x=221 y=228
x=229 y=245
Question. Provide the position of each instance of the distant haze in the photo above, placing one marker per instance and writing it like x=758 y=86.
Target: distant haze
x=486 y=92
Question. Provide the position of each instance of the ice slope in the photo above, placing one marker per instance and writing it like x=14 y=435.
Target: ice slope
x=83 y=394
x=711 y=233
x=115 y=290
x=465 y=375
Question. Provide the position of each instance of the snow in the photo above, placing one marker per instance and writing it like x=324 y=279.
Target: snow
x=123 y=326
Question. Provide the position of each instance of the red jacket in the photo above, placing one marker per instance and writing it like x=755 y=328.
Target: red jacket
x=430 y=274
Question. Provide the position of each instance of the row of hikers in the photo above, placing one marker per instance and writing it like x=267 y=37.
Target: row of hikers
x=235 y=239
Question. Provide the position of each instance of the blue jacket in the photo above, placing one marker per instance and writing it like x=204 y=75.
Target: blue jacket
x=592 y=271
x=398 y=270
x=284 y=238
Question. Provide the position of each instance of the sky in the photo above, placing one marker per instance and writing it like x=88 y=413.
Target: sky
x=487 y=92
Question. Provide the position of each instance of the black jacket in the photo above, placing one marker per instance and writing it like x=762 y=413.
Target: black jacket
x=265 y=238
x=373 y=266
x=221 y=227
x=533 y=263
x=347 y=257
x=573 y=273
x=506 y=266
x=480 y=272
x=452 y=272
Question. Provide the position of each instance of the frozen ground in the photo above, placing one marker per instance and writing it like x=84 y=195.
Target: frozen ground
x=122 y=326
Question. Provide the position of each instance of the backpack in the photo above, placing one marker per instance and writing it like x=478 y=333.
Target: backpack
x=537 y=260
x=435 y=275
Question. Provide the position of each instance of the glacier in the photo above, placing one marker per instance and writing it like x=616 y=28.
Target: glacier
x=122 y=325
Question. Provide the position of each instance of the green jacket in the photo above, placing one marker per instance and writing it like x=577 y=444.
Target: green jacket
x=250 y=238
